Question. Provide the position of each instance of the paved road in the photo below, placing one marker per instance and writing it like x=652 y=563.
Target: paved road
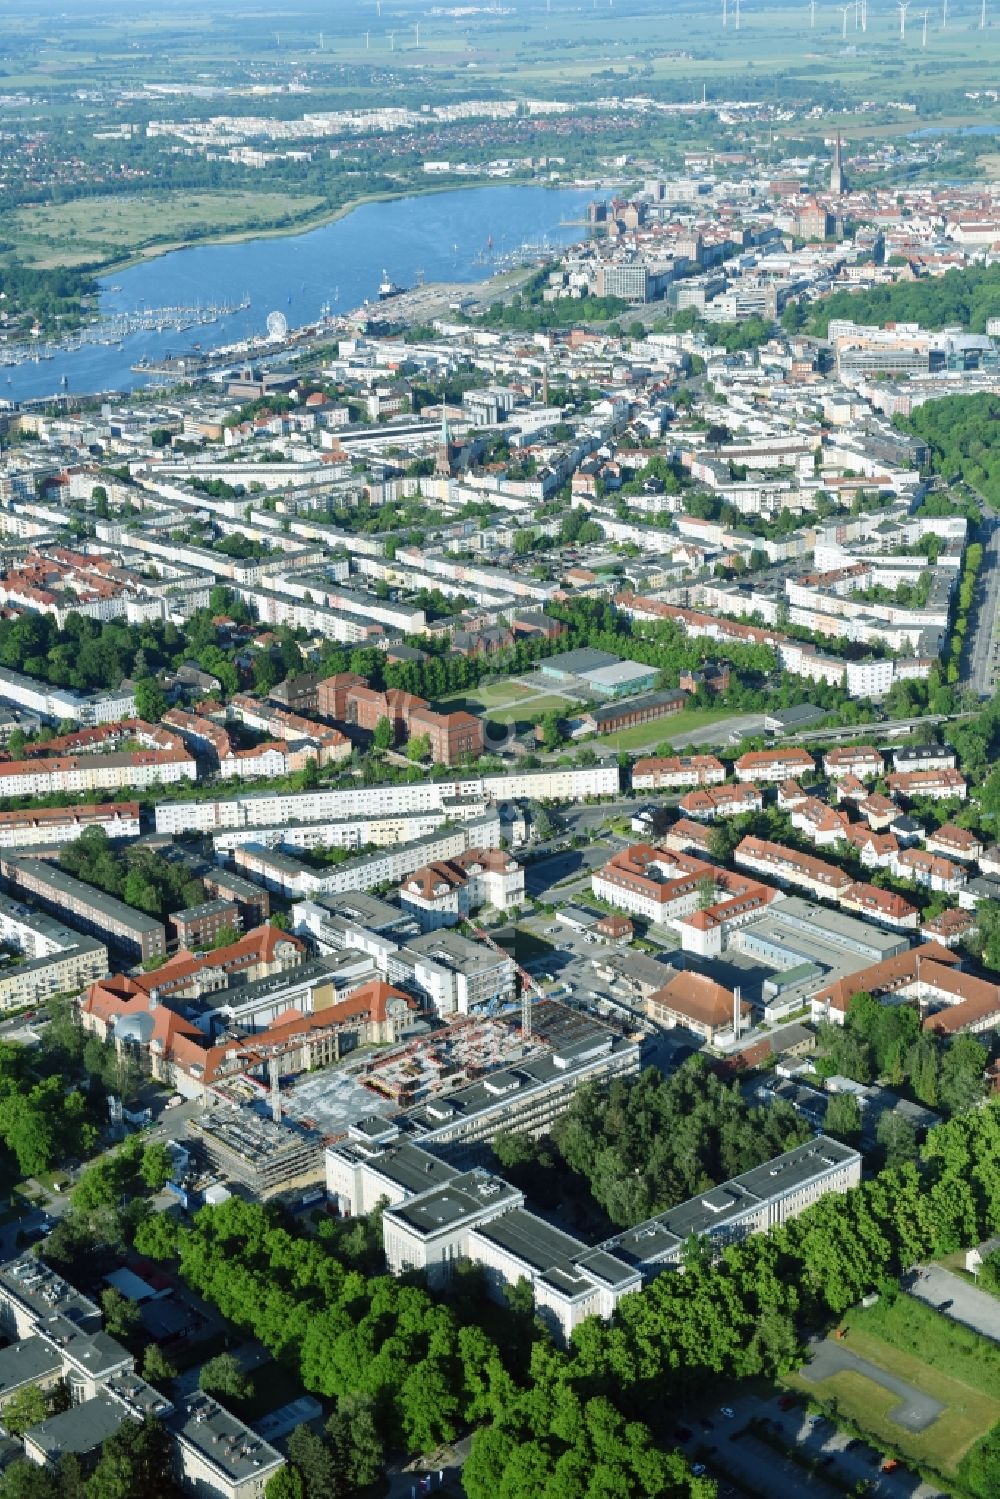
x=980 y=666
x=957 y=1299
x=758 y=1467
x=915 y=1410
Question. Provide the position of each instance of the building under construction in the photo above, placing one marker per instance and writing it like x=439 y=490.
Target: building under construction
x=262 y=1154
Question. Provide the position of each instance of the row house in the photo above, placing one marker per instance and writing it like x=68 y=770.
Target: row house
x=672 y=772
x=912 y=757
x=821 y=824
x=881 y=906
x=932 y=870
x=936 y=785
x=879 y=812
x=955 y=843
x=876 y=850
x=790 y=795
x=711 y=802
x=788 y=866
x=862 y=761
x=774 y=765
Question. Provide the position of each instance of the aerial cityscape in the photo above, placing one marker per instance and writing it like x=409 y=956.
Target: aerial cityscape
x=500 y=749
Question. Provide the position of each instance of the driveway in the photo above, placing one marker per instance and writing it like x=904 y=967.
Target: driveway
x=957 y=1299
x=915 y=1410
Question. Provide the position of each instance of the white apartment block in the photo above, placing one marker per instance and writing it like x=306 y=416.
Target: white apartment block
x=269 y=809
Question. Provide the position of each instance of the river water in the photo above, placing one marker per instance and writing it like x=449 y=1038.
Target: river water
x=339 y=264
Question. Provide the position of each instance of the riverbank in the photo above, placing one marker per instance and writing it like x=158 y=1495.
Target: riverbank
x=438 y=242
x=317 y=216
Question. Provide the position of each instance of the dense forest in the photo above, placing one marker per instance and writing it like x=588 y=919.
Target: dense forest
x=961 y=434
x=589 y=1420
x=962 y=299
x=647 y=1143
x=52 y=297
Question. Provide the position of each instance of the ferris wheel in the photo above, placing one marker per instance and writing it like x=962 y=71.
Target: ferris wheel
x=277 y=326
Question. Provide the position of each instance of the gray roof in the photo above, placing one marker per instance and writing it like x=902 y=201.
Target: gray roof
x=222 y=1440
x=572 y=663
x=41 y=1291
x=713 y=1210
x=25 y=1362
x=199 y=913
x=60 y=883
x=797 y=716
x=625 y=705
x=80 y=1430
x=461 y=1199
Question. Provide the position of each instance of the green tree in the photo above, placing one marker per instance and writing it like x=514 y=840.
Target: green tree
x=157 y=1166
x=25 y=1409
x=26 y=1480
x=222 y=1375
x=150 y=700
x=962 y=1081
x=352 y=1431
x=122 y=1317
x=156 y=1367
x=135 y=1463
x=843 y=1118
x=287 y=1483
x=897 y=1139
x=383 y=734
x=316 y=1462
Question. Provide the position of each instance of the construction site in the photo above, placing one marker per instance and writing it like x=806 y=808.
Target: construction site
x=269 y=1135
x=387 y=1082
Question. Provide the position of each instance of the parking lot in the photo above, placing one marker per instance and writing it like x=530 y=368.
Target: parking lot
x=770 y=1446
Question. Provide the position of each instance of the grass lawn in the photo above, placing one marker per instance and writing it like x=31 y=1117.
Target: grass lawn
x=933 y=1354
x=916 y=1329
x=109 y=228
x=675 y=728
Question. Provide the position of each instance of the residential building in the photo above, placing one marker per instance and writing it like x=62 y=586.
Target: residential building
x=668 y=773
x=132 y=932
x=774 y=765
x=200 y=926
x=937 y=785
x=712 y=802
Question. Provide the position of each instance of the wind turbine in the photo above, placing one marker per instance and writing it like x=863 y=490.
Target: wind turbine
x=904 y=6
x=367 y=35
x=417 y=31
x=812 y=15
x=944 y=16
x=982 y=17
x=924 y=40
x=845 y=11
x=738 y=13
x=392 y=41
x=725 y=12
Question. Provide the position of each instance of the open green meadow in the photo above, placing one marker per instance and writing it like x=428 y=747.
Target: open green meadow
x=933 y=1354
